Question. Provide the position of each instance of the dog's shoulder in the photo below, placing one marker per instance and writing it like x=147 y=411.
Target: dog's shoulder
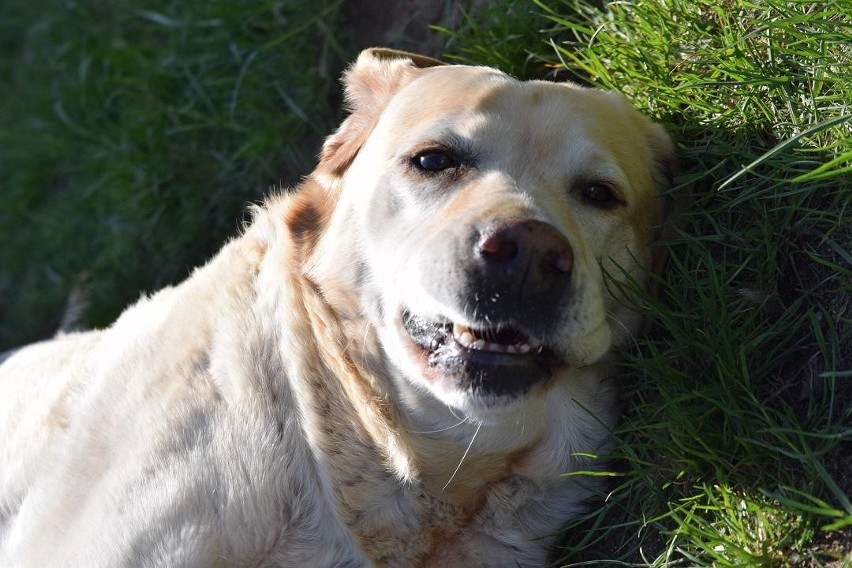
x=179 y=419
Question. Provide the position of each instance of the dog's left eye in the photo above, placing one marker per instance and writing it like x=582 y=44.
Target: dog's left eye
x=600 y=195
x=433 y=161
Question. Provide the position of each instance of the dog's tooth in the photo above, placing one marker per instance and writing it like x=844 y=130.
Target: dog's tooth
x=512 y=349
x=464 y=334
x=466 y=338
x=479 y=344
x=534 y=343
x=495 y=347
x=523 y=348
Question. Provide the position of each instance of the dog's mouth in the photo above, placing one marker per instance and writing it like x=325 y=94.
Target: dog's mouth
x=499 y=361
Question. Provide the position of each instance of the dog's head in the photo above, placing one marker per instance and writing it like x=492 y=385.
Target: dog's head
x=473 y=218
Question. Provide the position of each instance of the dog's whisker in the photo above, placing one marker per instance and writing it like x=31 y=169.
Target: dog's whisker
x=628 y=332
x=456 y=425
x=456 y=416
x=464 y=455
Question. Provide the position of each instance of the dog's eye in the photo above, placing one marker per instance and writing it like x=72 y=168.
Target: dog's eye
x=433 y=161
x=600 y=195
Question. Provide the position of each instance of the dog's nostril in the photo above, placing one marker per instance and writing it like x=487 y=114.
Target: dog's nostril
x=497 y=248
x=560 y=260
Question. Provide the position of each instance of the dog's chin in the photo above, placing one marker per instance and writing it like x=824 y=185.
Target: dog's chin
x=483 y=368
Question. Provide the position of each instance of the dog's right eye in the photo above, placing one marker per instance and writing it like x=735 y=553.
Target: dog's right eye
x=433 y=161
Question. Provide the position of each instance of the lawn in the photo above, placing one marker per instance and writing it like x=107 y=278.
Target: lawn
x=132 y=138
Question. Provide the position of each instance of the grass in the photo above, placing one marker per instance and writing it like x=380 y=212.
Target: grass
x=736 y=444
x=131 y=138
x=132 y=135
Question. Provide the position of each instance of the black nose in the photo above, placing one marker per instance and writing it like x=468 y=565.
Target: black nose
x=527 y=244
x=523 y=270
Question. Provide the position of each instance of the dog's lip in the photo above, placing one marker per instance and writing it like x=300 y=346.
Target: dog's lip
x=504 y=339
x=488 y=363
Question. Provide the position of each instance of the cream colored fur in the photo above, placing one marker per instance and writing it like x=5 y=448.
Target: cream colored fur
x=270 y=410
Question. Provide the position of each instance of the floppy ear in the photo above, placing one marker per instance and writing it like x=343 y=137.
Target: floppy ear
x=369 y=84
x=665 y=169
x=665 y=163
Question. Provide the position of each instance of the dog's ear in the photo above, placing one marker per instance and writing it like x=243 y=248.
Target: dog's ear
x=663 y=153
x=369 y=84
x=665 y=169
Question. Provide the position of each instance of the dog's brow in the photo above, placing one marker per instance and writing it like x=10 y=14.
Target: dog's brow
x=462 y=147
x=594 y=164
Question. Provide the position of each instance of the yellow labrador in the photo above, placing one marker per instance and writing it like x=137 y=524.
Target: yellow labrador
x=393 y=366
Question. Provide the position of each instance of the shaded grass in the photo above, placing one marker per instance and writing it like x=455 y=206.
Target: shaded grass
x=736 y=444
x=132 y=135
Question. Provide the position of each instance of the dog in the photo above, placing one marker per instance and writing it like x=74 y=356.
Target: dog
x=395 y=364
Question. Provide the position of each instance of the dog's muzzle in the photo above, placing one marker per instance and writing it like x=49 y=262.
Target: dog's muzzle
x=515 y=286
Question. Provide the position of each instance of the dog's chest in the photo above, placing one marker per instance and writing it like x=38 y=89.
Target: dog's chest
x=406 y=525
